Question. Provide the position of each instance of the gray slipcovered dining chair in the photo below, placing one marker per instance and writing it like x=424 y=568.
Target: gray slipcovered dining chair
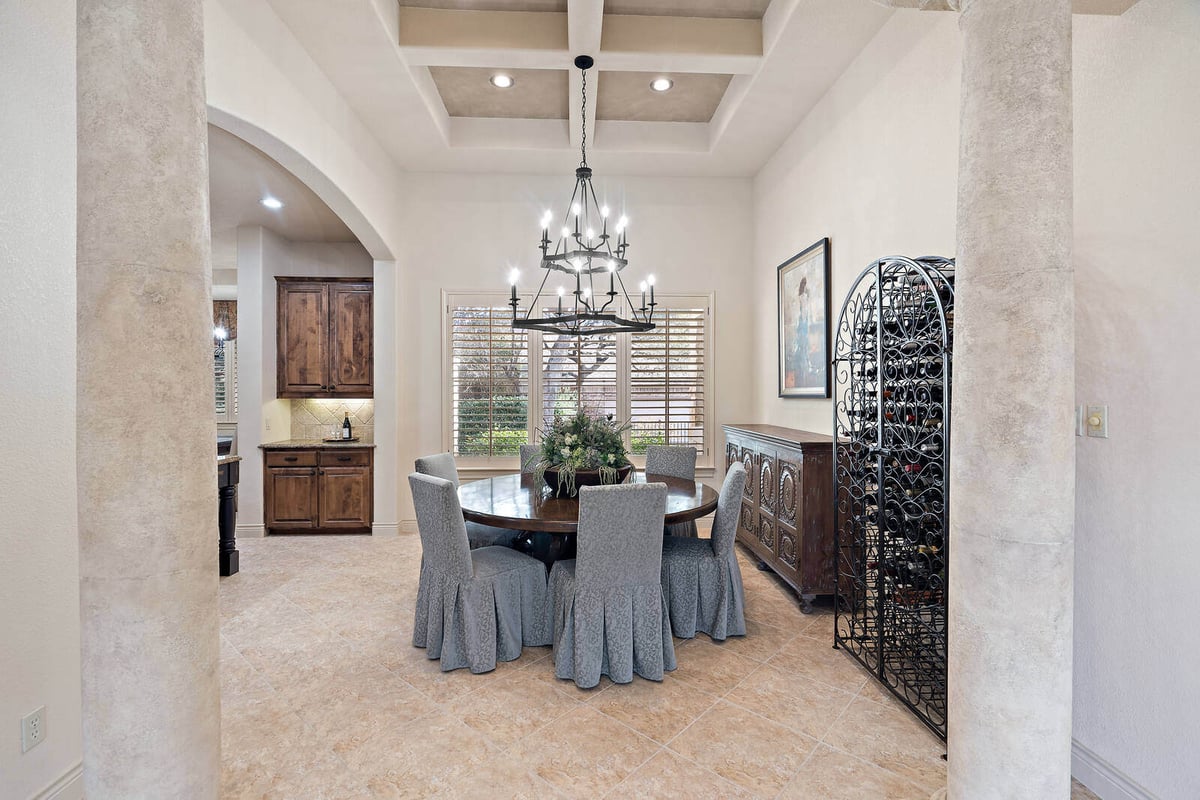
x=528 y=457
x=474 y=607
x=701 y=580
x=443 y=466
x=609 y=614
x=674 y=462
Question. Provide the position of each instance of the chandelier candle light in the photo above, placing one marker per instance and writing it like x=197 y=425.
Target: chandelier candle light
x=580 y=252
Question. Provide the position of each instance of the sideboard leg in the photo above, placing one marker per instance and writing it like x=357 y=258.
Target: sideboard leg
x=807 y=600
x=763 y=566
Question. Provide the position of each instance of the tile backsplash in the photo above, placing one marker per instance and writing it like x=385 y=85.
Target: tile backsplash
x=315 y=419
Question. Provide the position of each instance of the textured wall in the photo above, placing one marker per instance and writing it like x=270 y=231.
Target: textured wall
x=1137 y=202
x=874 y=166
x=461 y=231
x=39 y=591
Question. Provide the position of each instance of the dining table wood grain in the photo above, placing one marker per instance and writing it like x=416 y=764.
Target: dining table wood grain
x=523 y=502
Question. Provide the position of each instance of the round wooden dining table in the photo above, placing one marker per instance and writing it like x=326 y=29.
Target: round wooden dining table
x=548 y=524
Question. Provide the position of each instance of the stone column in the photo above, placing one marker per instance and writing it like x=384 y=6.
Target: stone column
x=1013 y=466
x=146 y=448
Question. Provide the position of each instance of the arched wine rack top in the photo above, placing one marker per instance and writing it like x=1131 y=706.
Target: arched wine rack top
x=933 y=271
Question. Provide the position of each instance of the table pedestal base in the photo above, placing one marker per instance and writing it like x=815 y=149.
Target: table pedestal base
x=545 y=547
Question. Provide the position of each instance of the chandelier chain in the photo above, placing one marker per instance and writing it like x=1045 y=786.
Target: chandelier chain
x=583 y=123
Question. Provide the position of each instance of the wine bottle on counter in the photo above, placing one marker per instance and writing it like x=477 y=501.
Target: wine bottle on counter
x=346 y=431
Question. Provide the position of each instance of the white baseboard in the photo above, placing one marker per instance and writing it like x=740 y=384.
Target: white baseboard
x=408 y=526
x=1105 y=780
x=249 y=531
x=387 y=529
x=68 y=787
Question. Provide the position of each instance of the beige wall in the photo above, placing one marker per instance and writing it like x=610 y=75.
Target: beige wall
x=261 y=416
x=39 y=565
x=1137 y=206
x=874 y=167
x=464 y=232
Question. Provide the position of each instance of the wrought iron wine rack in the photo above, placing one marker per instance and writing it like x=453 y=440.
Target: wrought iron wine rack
x=892 y=359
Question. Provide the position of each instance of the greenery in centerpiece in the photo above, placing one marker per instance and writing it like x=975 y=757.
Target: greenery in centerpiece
x=580 y=443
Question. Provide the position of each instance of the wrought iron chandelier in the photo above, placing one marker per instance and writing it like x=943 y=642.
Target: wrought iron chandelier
x=584 y=250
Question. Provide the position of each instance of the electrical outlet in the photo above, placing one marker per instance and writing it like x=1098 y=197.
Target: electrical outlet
x=267 y=422
x=33 y=729
x=1097 y=421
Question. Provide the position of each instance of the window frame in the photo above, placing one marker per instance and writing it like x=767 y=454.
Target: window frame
x=705 y=459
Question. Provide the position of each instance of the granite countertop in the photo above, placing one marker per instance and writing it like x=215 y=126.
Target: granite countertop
x=227 y=459
x=313 y=444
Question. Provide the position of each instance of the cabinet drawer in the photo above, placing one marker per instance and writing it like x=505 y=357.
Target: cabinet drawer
x=344 y=458
x=291 y=458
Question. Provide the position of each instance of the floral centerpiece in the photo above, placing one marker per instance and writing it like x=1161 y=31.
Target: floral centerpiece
x=579 y=450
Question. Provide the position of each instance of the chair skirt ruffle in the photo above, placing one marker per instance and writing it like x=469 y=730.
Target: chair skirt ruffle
x=615 y=632
x=702 y=591
x=473 y=623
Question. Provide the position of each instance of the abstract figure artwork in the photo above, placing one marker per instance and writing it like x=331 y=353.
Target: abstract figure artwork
x=803 y=302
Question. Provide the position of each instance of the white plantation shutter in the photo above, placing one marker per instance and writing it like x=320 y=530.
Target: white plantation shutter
x=225 y=379
x=502 y=384
x=667 y=380
x=578 y=373
x=489 y=383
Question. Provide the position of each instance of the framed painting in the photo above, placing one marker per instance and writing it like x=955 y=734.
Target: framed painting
x=802 y=284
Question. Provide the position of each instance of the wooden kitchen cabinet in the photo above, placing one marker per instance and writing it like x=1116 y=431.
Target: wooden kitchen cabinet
x=325 y=331
x=319 y=490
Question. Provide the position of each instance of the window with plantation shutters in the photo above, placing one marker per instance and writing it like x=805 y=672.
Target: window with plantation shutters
x=578 y=373
x=225 y=379
x=489 y=384
x=502 y=385
x=667 y=376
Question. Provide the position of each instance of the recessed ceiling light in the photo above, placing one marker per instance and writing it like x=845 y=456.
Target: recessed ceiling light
x=662 y=84
x=272 y=203
x=502 y=81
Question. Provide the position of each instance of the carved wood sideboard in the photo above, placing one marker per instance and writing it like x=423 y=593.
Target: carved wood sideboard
x=787 y=508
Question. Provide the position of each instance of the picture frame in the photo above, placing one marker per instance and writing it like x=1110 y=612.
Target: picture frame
x=802 y=287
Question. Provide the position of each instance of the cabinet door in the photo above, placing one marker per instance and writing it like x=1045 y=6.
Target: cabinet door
x=346 y=498
x=303 y=342
x=290 y=495
x=789 y=516
x=350 y=326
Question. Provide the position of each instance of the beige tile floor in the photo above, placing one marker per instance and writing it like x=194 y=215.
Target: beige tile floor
x=324 y=697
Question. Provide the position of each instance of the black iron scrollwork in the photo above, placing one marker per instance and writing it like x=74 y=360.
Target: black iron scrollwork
x=892 y=364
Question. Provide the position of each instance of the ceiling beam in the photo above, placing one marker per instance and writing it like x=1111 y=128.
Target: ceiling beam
x=495 y=30
x=551 y=40
x=585 y=20
x=729 y=37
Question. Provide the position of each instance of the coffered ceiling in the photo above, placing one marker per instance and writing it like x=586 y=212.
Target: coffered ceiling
x=417 y=73
x=745 y=72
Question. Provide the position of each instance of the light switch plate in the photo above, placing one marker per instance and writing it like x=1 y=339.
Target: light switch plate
x=1097 y=421
x=1080 y=428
